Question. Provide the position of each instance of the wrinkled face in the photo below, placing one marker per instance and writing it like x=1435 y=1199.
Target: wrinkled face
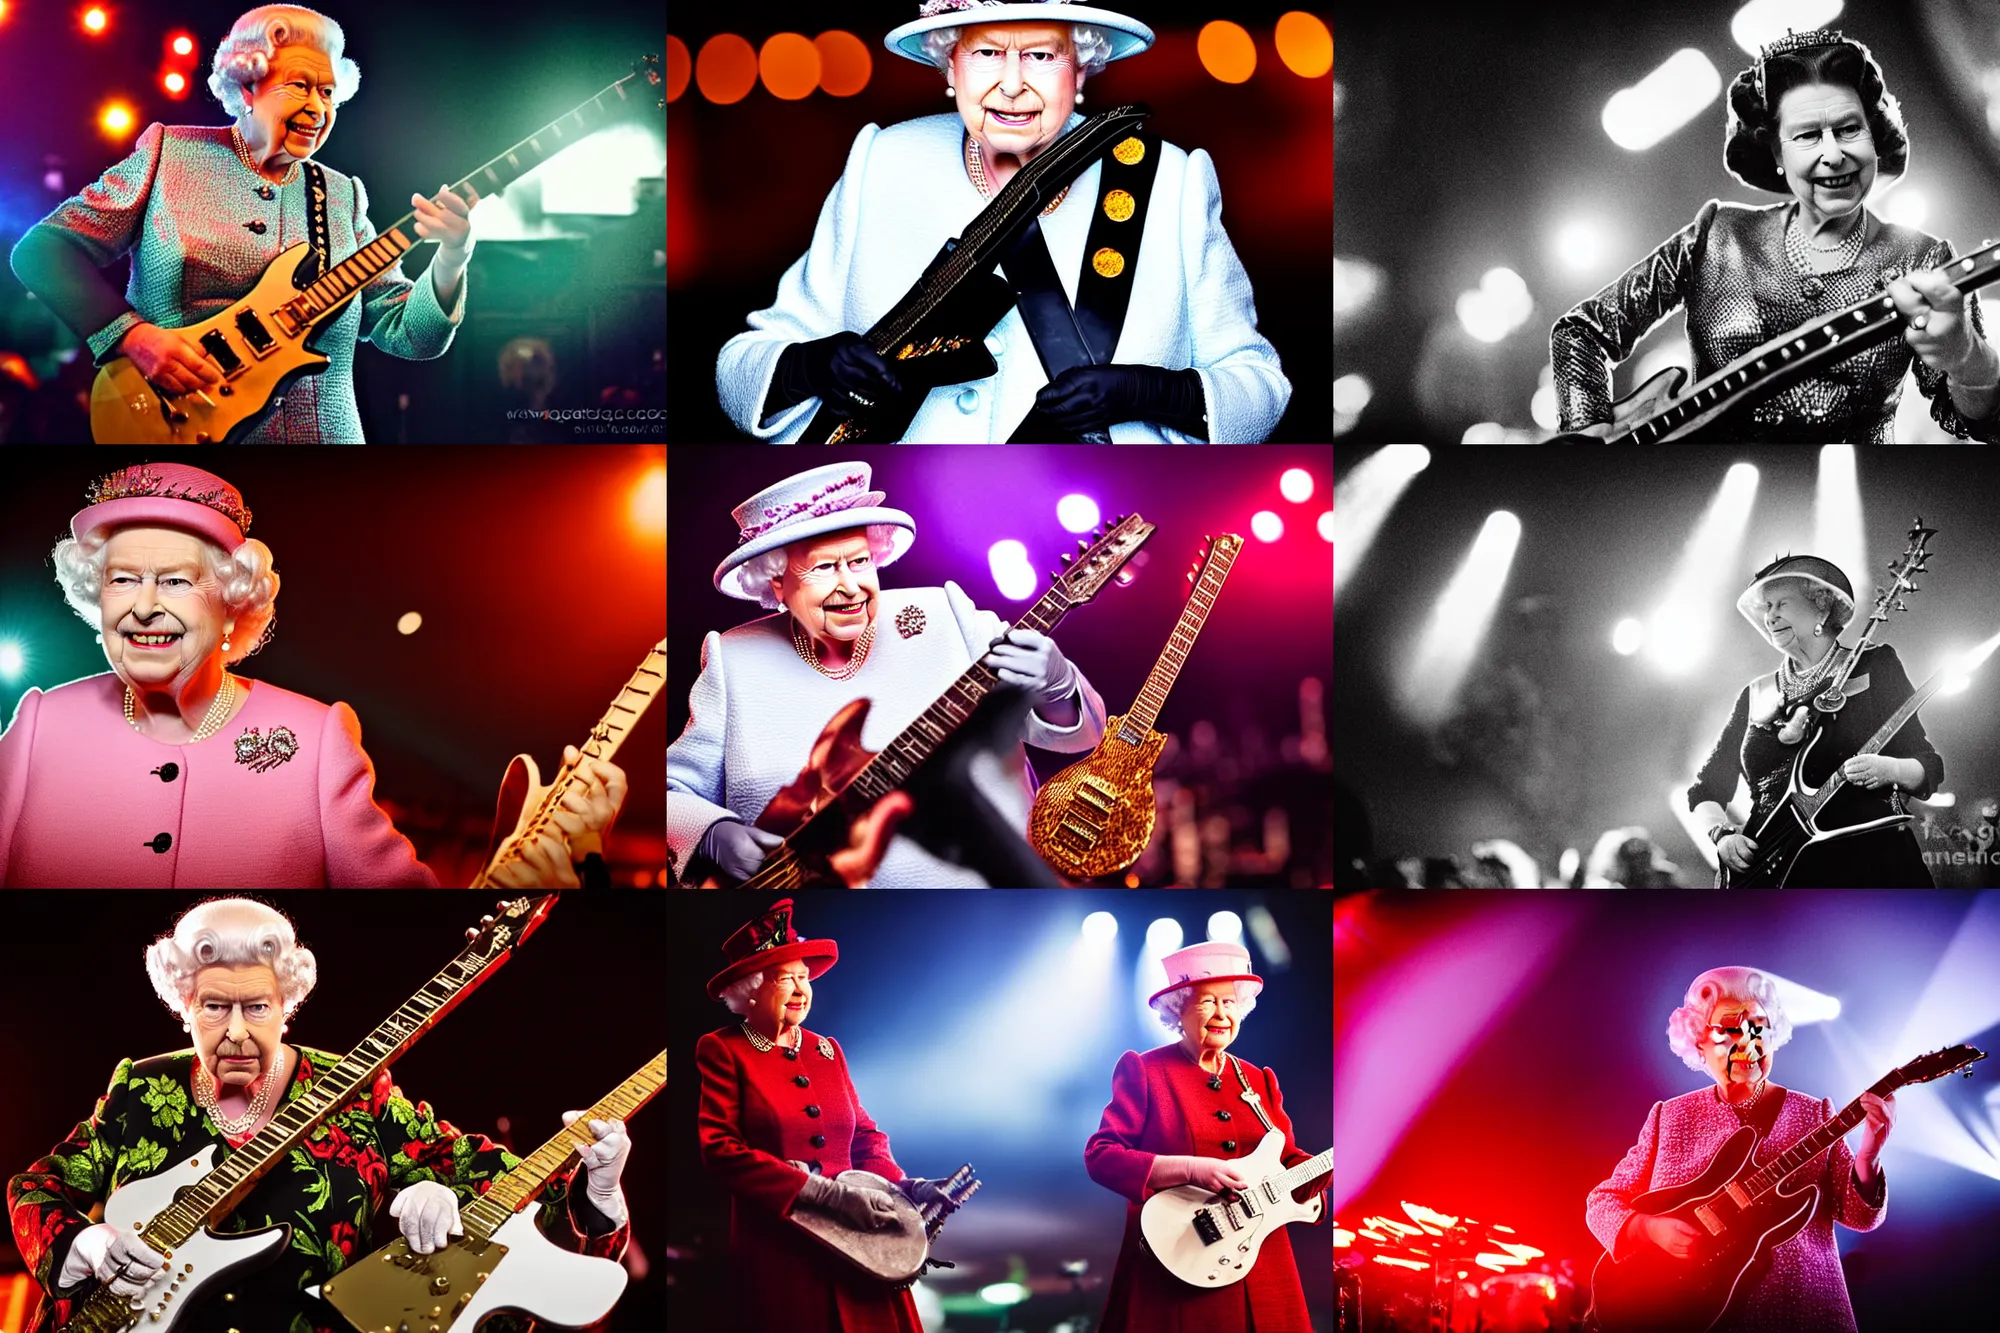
x=238 y=1021
x=784 y=1000
x=1824 y=147
x=1017 y=84
x=1788 y=612
x=162 y=609
x=1210 y=1022
x=830 y=585
x=1736 y=1048
x=293 y=107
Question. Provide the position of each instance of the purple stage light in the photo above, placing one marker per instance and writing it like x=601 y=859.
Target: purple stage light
x=1077 y=513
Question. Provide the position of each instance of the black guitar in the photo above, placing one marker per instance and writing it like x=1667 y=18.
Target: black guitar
x=1742 y=1216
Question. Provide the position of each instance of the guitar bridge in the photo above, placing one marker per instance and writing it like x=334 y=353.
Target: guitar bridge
x=1205 y=1227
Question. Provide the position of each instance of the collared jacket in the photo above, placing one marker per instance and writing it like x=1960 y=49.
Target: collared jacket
x=905 y=193
x=181 y=204
x=87 y=802
x=331 y=1189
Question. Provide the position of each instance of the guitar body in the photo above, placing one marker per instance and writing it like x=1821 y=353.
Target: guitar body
x=1650 y=1291
x=832 y=763
x=268 y=353
x=1208 y=1242
x=207 y=1261
x=1096 y=816
x=894 y=1255
x=1644 y=401
x=1783 y=834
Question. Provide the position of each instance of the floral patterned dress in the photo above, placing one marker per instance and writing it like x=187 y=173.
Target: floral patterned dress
x=330 y=1189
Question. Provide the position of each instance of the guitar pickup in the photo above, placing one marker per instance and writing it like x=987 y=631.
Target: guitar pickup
x=224 y=355
x=254 y=333
x=1205 y=1227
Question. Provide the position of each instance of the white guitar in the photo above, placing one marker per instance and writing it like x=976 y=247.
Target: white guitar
x=1208 y=1240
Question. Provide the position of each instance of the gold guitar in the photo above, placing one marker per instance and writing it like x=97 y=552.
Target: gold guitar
x=1096 y=816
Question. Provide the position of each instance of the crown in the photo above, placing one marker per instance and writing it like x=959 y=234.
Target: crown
x=143 y=482
x=1800 y=41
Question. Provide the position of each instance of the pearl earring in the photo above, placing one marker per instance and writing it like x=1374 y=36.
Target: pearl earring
x=1819 y=630
x=950 y=91
x=1079 y=99
x=225 y=640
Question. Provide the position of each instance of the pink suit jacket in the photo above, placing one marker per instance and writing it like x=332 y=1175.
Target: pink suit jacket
x=87 y=802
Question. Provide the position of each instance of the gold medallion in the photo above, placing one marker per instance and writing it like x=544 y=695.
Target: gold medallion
x=1108 y=263
x=1118 y=205
x=1130 y=151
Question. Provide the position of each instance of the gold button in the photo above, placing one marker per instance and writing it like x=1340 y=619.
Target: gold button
x=1132 y=150
x=1108 y=263
x=1118 y=205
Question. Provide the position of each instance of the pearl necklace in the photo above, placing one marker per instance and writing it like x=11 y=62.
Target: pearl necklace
x=204 y=1096
x=211 y=721
x=810 y=654
x=1742 y=1108
x=1799 y=682
x=242 y=147
x=1849 y=248
x=977 y=171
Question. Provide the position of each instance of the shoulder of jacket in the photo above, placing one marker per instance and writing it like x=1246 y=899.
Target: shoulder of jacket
x=165 y=1064
x=925 y=132
x=293 y=705
x=1909 y=240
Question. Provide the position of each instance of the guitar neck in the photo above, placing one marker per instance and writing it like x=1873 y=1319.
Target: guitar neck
x=505 y=1196
x=1152 y=695
x=1883 y=735
x=627 y=706
x=1310 y=1169
x=1812 y=1145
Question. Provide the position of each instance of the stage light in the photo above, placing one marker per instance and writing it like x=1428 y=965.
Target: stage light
x=1225 y=927
x=1304 y=44
x=409 y=622
x=1226 y=51
x=1838 y=531
x=1355 y=283
x=1363 y=498
x=1296 y=485
x=95 y=20
x=1351 y=393
x=1501 y=304
x=680 y=68
x=726 y=69
x=1681 y=631
x=12 y=659
x=1100 y=928
x=1579 y=244
x=1266 y=526
x=1941 y=800
x=183 y=45
x=1762 y=22
x=648 y=505
x=174 y=82
x=115 y=119
x=1003 y=1293
x=1077 y=513
x=1628 y=636
x=598 y=174
x=844 y=63
x=1638 y=117
x=1325 y=526
x=1163 y=937
x=1906 y=206
x=790 y=66
x=1456 y=629
x=1012 y=574
x=1542 y=406
x=1958 y=670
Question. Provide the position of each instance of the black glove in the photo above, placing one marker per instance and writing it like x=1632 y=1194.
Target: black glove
x=843 y=372
x=920 y=1192
x=1085 y=398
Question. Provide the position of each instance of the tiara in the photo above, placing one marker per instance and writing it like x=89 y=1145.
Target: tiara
x=1799 y=41
x=143 y=482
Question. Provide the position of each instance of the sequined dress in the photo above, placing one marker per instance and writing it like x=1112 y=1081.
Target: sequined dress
x=1804 y=1291
x=183 y=205
x=1728 y=268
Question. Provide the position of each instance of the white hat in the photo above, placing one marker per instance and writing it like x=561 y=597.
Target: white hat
x=834 y=498
x=1128 y=36
x=1809 y=569
x=1215 y=960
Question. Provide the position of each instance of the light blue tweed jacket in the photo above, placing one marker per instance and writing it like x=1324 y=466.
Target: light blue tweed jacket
x=183 y=199
x=756 y=710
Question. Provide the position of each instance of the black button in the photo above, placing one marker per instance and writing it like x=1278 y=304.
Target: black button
x=266 y=192
x=1215 y=1084
x=160 y=842
x=1222 y=1115
x=803 y=1081
x=1229 y=1145
x=256 y=225
x=791 y=1054
x=813 y=1111
x=818 y=1140
x=167 y=772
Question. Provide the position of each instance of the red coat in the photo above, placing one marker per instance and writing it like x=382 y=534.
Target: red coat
x=1161 y=1104
x=755 y=1117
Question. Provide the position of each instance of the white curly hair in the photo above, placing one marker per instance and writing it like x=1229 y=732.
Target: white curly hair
x=737 y=994
x=1687 y=1027
x=1092 y=45
x=230 y=931
x=1170 y=1006
x=245 y=55
x=759 y=570
x=249 y=585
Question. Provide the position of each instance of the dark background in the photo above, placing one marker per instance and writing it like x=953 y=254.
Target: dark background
x=573 y=1013
x=746 y=181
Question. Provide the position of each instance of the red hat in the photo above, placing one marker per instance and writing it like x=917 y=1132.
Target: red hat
x=768 y=942
x=169 y=495
x=1215 y=960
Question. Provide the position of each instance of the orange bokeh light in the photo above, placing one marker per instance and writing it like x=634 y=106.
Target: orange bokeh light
x=680 y=67
x=1227 y=51
x=790 y=66
x=726 y=69
x=95 y=19
x=175 y=81
x=649 y=502
x=844 y=63
x=183 y=46
x=1305 y=44
x=115 y=119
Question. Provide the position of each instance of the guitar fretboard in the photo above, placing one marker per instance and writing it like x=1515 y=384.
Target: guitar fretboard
x=1311 y=1169
x=1766 y=1178
x=1883 y=735
x=1201 y=600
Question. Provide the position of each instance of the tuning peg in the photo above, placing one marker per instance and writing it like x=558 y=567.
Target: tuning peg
x=1067 y=557
x=1900 y=604
x=1082 y=545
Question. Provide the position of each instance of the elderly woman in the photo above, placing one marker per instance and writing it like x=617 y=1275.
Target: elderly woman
x=172 y=769
x=1169 y=325
x=203 y=211
x=780 y=1120
x=1177 y=1116
x=814 y=545
x=1812 y=119
x=1729 y=1027
x=232 y=973
x=1800 y=604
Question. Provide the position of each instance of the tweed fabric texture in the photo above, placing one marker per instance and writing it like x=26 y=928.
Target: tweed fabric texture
x=1729 y=270
x=1805 y=1288
x=904 y=193
x=756 y=709
x=179 y=204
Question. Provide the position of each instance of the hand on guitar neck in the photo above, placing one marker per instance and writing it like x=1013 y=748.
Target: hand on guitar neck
x=577 y=827
x=739 y=850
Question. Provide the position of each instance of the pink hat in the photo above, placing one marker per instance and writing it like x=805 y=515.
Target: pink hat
x=1216 y=960
x=168 y=495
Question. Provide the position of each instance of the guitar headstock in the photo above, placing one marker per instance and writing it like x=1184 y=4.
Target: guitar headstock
x=1937 y=1064
x=648 y=69
x=1100 y=556
x=503 y=931
x=1903 y=572
x=1216 y=551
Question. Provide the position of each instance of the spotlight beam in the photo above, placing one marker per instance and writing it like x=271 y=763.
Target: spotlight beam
x=1459 y=621
x=1363 y=500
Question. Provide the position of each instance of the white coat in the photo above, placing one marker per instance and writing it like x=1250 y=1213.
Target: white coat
x=905 y=193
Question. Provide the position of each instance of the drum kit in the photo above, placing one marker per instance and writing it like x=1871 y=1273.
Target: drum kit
x=1436 y=1273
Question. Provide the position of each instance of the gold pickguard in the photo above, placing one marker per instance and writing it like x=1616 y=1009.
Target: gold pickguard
x=422 y=1292
x=1096 y=816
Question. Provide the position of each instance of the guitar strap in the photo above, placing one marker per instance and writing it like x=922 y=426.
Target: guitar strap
x=322 y=247
x=1256 y=1102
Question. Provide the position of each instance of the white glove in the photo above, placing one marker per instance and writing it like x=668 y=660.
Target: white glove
x=116 y=1258
x=428 y=1213
x=604 y=1162
x=1031 y=660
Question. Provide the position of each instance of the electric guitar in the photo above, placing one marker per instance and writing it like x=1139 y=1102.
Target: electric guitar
x=900 y=1254
x=1657 y=412
x=1800 y=818
x=176 y=1210
x=259 y=343
x=1096 y=816
x=1742 y=1216
x=503 y=1261
x=843 y=779
x=525 y=806
x=1212 y=1240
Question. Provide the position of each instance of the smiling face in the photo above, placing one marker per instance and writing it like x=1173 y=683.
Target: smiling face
x=830 y=586
x=1736 y=1049
x=1017 y=84
x=1825 y=149
x=783 y=1001
x=1789 y=615
x=1210 y=1021
x=295 y=97
x=162 y=609
x=238 y=1022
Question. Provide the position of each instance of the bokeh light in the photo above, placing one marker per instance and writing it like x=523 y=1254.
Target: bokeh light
x=1100 y=927
x=1305 y=44
x=115 y=119
x=184 y=46
x=1225 y=927
x=95 y=20
x=789 y=64
x=1163 y=936
x=175 y=82
x=12 y=659
x=1296 y=485
x=680 y=68
x=409 y=622
x=1226 y=51
x=1012 y=574
x=1266 y=526
x=1628 y=636
x=649 y=502
x=1077 y=513
x=844 y=63
x=1326 y=527
x=726 y=69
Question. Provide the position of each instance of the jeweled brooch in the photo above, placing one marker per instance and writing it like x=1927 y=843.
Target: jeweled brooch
x=910 y=621
x=826 y=1048
x=263 y=753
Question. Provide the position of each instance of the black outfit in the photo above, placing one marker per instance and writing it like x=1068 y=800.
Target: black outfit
x=1749 y=744
x=1729 y=269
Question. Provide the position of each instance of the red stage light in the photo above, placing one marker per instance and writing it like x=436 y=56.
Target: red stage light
x=183 y=45
x=95 y=20
x=115 y=119
x=175 y=82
